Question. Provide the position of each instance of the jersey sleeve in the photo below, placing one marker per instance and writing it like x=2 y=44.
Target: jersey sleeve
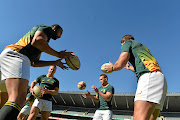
x=38 y=79
x=126 y=47
x=47 y=31
x=110 y=89
x=56 y=84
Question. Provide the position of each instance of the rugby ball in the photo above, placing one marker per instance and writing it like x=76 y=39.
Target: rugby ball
x=82 y=85
x=37 y=91
x=73 y=62
x=103 y=68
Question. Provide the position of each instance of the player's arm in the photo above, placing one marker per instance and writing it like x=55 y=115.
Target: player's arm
x=41 y=63
x=106 y=96
x=40 y=42
x=94 y=98
x=32 y=85
x=121 y=62
x=52 y=92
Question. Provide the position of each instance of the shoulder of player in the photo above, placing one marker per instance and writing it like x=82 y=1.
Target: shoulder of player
x=45 y=29
x=56 y=79
x=110 y=86
x=41 y=76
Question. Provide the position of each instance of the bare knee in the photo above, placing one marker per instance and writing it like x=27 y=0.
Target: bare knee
x=33 y=113
x=143 y=110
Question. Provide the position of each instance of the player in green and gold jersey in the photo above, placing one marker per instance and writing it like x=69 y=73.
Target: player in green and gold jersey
x=152 y=87
x=15 y=62
x=50 y=86
x=104 y=97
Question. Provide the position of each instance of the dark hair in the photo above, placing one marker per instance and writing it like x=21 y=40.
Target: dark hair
x=104 y=75
x=127 y=38
x=57 y=27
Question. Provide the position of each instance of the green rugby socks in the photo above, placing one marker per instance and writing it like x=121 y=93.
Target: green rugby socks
x=9 y=111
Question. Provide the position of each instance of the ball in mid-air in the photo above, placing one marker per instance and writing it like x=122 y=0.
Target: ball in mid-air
x=37 y=91
x=82 y=85
x=103 y=68
x=73 y=62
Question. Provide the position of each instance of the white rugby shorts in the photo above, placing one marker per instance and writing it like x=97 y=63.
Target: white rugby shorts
x=43 y=105
x=14 y=65
x=152 y=87
x=102 y=115
x=25 y=110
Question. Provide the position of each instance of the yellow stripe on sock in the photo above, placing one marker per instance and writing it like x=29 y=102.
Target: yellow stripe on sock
x=13 y=105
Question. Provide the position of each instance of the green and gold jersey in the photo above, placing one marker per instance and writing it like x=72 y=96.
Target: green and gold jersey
x=32 y=98
x=140 y=57
x=49 y=83
x=105 y=105
x=24 y=44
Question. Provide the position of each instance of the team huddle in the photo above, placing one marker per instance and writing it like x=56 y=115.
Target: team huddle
x=16 y=59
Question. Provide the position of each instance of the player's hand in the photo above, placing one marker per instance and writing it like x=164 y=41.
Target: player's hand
x=44 y=90
x=94 y=88
x=38 y=97
x=61 y=65
x=86 y=95
x=31 y=90
x=109 y=67
x=129 y=67
x=63 y=54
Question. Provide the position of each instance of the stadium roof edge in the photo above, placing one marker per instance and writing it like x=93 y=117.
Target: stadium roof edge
x=116 y=94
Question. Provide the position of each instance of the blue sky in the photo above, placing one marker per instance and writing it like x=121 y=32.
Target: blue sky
x=93 y=30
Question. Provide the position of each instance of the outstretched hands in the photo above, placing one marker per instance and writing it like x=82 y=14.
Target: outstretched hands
x=94 y=88
x=61 y=64
x=86 y=95
x=63 y=54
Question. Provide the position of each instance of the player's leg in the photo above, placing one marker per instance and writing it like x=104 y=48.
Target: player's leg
x=107 y=115
x=155 y=114
x=150 y=93
x=143 y=110
x=25 y=117
x=45 y=115
x=21 y=116
x=46 y=109
x=162 y=91
x=24 y=112
x=35 y=109
x=17 y=89
x=33 y=113
x=15 y=70
x=98 y=115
